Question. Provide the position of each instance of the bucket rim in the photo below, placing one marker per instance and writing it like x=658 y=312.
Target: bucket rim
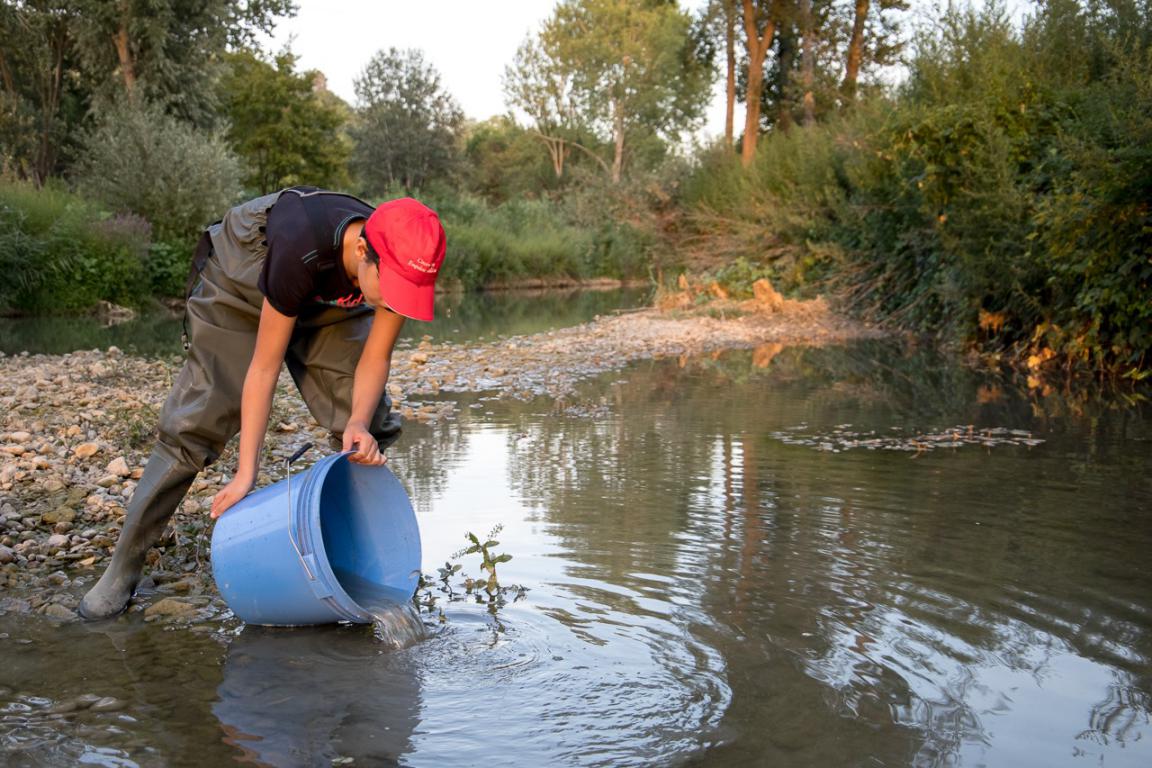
x=306 y=528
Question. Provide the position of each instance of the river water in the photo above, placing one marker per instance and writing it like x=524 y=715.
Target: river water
x=460 y=317
x=719 y=572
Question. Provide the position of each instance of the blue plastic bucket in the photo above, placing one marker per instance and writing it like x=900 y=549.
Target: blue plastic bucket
x=290 y=554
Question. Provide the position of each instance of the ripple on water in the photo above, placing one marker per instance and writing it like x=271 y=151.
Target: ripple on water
x=644 y=696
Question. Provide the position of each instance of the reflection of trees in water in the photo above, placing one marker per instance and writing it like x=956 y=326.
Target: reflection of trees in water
x=599 y=477
x=1120 y=714
x=426 y=454
x=882 y=578
x=510 y=313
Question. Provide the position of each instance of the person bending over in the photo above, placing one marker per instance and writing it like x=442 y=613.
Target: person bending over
x=316 y=279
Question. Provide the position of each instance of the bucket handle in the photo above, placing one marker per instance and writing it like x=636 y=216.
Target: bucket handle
x=288 y=467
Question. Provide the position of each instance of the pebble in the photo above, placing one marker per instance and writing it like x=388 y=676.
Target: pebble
x=86 y=450
x=170 y=606
x=58 y=515
x=57 y=541
x=6 y=555
x=119 y=467
x=108 y=704
x=57 y=611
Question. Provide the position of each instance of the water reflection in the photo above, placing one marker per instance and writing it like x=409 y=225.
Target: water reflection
x=460 y=317
x=317 y=696
x=700 y=592
x=938 y=610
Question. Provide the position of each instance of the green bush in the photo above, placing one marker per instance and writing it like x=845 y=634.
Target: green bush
x=140 y=160
x=524 y=239
x=1002 y=197
x=59 y=252
x=168 y=264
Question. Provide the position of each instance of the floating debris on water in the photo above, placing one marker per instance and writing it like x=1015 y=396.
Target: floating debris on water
x=841 y=438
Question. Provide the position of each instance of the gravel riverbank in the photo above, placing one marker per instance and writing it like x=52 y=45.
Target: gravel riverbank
x=76 y=429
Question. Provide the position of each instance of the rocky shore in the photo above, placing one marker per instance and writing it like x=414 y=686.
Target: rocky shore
x=76 y=429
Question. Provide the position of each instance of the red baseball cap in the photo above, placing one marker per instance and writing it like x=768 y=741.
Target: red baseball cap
x=409 y=240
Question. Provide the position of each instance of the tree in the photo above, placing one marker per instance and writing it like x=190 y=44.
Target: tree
x=63 y=61
x=634 y=68
x=504 y=162
x=719 y=19
x=808 y=62
x=874 y=39
x=139 y=159
x=760 y=19
x=537 y=85
x=280 y=126
x=855 y=48
x=729 y=71
x=38 y=103
x=166 y=51
x=406 y=126
x=820 y=51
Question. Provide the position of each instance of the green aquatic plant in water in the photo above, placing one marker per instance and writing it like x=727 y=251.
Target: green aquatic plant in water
x=486 y=550
x=486 y=590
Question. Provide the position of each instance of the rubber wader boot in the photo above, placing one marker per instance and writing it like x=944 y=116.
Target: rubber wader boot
x=159 y=493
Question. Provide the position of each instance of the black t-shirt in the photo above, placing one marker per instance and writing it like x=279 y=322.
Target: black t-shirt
x=305 y=235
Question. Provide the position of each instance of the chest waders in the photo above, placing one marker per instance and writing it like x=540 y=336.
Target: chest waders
x=202 y=412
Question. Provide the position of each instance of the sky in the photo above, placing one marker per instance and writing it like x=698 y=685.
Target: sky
x=468 y=42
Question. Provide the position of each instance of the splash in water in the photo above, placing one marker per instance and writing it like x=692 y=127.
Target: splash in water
x=395 y=620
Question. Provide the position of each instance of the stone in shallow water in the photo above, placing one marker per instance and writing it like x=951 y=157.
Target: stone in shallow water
x=108 y=704
x=170 y=606
x=58 y=515
x=58 y=611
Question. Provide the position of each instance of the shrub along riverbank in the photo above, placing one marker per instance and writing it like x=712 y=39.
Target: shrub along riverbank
x=60 y=252
x=1002 y=198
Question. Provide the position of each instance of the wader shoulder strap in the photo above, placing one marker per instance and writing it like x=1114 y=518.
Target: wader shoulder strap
x=200 y=258
x=321 y=229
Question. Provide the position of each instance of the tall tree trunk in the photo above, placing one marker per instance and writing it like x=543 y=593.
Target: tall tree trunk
x=785 y=53
x=757 y=45
x=730 y=94
x=807 y=62
x=124 y=52
x=6 y=75
x=556 y=151
x=50 y=107
x=618 y=159
x=855 y=49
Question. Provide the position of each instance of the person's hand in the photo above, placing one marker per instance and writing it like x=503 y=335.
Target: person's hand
x=230 y=494
x=358 y=438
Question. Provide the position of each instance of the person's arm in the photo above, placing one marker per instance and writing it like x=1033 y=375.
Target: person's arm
x=368 y=387
x=272 y=339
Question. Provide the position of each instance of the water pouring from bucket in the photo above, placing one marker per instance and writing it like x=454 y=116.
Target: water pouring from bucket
x=338 y=542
